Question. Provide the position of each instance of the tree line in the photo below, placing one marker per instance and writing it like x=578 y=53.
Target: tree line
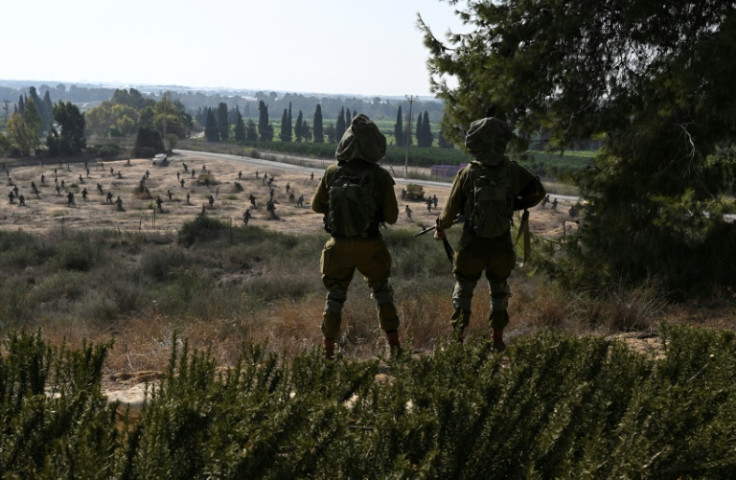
x=223 y=124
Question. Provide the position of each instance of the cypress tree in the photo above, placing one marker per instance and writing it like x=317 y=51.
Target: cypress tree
x=399 y=129
x=265 y=130
x=285 y=127
x=251 y=132
x=299 y=129
x=239 y=127
x=319 y=135
x=48 y=107
x=418 y=130
x=223 y=123
x=340 y=126
x=210 y=127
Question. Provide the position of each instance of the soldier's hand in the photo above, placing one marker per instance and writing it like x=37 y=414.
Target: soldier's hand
x=439 y=234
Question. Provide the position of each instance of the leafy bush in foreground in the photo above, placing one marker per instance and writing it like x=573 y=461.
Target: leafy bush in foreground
x=553 y=407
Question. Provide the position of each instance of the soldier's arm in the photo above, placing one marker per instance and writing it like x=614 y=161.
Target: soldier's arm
x=321 y=199
x=454 y=203
x=390 y=205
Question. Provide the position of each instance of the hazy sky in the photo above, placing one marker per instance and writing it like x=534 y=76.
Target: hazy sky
x=324 y=46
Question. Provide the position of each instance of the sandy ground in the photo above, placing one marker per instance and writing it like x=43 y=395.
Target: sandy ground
x=49 y=209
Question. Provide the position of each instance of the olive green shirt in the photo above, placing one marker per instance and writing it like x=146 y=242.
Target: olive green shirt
x=460 y=200
x=383 y=194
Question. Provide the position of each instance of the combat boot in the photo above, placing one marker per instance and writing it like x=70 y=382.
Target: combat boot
x=460 y=319
x=329 y=347
x=498 y=344
x=393 y=343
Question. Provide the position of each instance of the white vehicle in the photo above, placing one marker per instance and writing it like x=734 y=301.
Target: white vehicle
x=160 y=160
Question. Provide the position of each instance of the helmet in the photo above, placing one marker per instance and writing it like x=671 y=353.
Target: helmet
x=487 y=138
x=362 y=140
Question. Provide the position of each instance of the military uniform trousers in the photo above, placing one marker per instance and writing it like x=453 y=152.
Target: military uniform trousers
x=340 y=258
x=474 y=255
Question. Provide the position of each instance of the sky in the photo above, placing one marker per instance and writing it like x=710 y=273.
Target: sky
x=340 y=47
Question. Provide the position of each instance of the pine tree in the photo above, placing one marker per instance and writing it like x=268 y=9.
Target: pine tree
x=319 y=135
x=71 y=141
x=399 y=129
x=32 y=116
x=340 y=126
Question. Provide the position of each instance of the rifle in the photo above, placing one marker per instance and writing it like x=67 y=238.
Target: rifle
x=445 y=243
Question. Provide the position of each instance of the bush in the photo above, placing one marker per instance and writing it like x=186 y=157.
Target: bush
x=553 y=405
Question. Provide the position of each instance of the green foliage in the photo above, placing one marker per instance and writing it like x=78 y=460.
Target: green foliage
x=201 y=229
x=71 y=140
x=552 y=407
x=625 y=72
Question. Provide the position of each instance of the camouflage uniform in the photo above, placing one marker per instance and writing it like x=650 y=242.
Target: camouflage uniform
x=486 y=141
x=360 y=148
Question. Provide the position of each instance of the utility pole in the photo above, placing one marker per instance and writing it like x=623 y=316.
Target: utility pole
x=408 y=136
x=165 y=120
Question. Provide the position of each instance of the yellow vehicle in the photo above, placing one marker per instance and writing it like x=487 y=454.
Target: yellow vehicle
x=414 y=192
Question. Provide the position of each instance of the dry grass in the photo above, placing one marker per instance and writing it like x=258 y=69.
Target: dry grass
x=134 y=284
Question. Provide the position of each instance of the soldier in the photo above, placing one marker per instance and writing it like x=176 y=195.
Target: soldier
x=486 y=193
x=159 y=203
x=84 y=194
x=300 y=201
x=182 y=182
x=212 y=200
x=168 y=192
x=356 y=242
x=11 y=197
x=252 y=199
x=408 y=211
x=119 y=203
x=21 y=200
x=109 y=198
x=271 y=209
x=70 y=198
x=429 y=204
x=246 y=216
x=434 y=200
x=99 y=189
x=188 y=203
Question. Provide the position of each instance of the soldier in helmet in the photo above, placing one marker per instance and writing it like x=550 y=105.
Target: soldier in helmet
x=356 y=195
x=486 y=193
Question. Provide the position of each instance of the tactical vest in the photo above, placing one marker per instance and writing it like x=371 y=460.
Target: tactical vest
x=352 y=206
x=490 y=200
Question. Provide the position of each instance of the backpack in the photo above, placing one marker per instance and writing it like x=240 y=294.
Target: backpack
x=352 y=207
x=491 y=200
